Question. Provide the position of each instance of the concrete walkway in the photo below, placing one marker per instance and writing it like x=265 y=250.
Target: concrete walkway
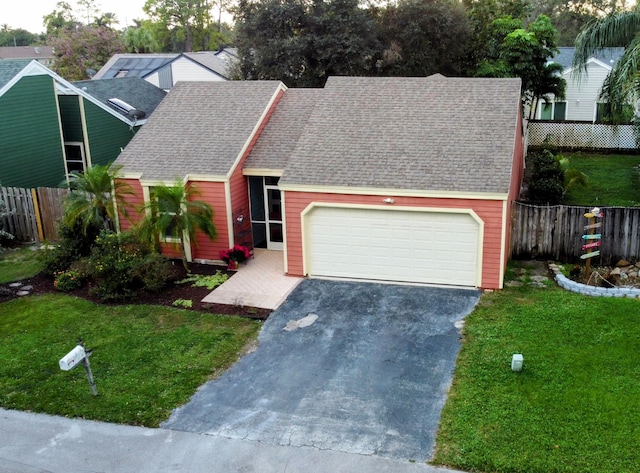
x=261 y=282
x=38 y=443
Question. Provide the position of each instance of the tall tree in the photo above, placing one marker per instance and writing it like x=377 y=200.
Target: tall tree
x=423 y=37
x=302 y=43
x=525 y=53
x=189 y=20
x=570 y=17
x=482 y=14
x=140 y=39
x=619 y=30
x=86 y=47
x=16 y=37
x=62 y=18
x=174 y=213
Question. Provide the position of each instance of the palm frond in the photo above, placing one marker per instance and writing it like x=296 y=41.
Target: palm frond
x=617 y=30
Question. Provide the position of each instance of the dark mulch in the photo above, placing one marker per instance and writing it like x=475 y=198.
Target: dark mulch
x=43 y=285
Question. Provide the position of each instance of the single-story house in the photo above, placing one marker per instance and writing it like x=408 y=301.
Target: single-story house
x=50 y=127
x=43 y=54
x=582 y=98
x=164 y=70
x=385 y=179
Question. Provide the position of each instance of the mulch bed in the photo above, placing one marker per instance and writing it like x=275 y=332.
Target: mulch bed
x=43 y=285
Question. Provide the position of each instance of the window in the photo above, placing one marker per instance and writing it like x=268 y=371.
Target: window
x=553 y=111
x=560 y=110
x=166 y=215
x=74 y=157
x=604 y=114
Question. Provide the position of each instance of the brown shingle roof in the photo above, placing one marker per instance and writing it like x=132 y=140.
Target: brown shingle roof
x=432 y=134
x=281 y=133
x=199 y=128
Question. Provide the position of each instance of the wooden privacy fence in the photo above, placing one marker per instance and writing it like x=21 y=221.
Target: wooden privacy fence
x=555 y=232
x=35 y=212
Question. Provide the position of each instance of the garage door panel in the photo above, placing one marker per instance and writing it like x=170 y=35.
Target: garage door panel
x=393 y=245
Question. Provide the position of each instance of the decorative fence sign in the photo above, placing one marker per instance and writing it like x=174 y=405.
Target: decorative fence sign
x=590 y=227
x=591 y=245
x=590 y=255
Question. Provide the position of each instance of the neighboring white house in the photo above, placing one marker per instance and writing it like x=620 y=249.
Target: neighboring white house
x=582 y=94
x=165 y=70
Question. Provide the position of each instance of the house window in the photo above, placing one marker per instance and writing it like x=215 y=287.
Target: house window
x=553 y=111
x=74 y=159
x=605 y=115
x=165 y=212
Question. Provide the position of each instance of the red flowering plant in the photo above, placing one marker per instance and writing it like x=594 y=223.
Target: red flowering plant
x=235 y=255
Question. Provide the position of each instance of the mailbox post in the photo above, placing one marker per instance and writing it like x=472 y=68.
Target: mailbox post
x=74 y=358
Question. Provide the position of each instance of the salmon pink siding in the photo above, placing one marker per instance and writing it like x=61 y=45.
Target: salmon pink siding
x=212 y=193
x=130 y=213
x=517 y=174
x=490 y=211
x=203 y=248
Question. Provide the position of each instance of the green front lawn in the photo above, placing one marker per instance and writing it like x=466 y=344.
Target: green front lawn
x=614 y=180
x=18 y=263
x=147 y=360
x=575 y=406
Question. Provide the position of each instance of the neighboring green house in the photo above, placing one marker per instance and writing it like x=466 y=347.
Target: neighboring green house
x=50 y=127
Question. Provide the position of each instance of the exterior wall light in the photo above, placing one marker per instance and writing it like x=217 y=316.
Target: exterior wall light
x=517 y=361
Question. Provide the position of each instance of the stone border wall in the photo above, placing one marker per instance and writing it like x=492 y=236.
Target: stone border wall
x=573 y=286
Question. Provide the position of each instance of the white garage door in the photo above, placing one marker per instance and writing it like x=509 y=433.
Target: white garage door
x=393 y=245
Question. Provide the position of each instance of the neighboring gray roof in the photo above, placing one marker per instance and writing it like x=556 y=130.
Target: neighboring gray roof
x=607 y=55
x=135 y=65
x=26 y=52
x=424 y=134
x=209 y=60
x=199 y=128
x=141 y=65
x=135 y=91
x=9 y=68
x=281 y=133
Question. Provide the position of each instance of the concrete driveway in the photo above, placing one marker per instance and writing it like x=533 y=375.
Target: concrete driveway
x=352 y=367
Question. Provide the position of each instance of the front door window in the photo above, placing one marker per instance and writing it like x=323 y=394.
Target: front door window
x=266 y=213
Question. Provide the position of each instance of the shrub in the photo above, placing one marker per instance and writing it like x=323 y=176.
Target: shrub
x=545 y=184
x=67 y=281
x=73 y=246
x=154 y=271
x=121 y=266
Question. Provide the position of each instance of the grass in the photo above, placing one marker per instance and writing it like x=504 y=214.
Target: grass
x=614 y=180
x=18 y=263
x=574 y=407
x=147 y=360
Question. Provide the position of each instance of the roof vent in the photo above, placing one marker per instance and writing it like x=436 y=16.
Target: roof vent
x=123 y=106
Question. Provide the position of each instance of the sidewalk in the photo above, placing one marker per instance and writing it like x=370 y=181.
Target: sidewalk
x=38 y=443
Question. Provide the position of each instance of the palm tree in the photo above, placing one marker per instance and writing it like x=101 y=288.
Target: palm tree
x=174 y=215
x=94 y=195
x=617 y=30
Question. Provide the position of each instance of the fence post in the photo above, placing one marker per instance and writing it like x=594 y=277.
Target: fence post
x=34 y=195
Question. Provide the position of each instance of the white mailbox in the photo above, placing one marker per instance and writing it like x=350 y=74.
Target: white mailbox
x=71 y=359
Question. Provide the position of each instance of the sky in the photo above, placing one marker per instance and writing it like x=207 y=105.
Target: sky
x=27 y=14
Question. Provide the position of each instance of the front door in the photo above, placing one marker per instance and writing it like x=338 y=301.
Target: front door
x=266 y=213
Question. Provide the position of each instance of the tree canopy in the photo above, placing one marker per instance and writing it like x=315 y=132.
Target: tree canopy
x=525 y=53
